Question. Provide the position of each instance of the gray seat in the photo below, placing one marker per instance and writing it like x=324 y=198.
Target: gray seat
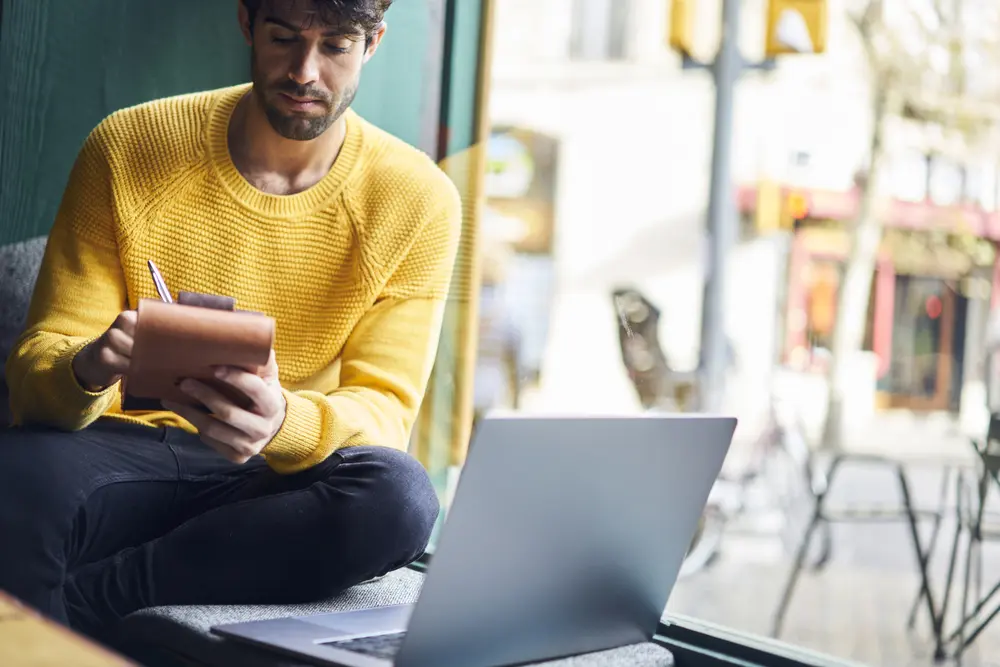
x=173 y=636
x=19 y=264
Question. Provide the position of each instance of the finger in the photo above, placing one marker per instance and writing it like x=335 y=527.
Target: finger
x=120 y=341
x=126 y=321
x=217 y=434
x=227 y=452
x=112 y=361
x=194 y=416
x=223 y=409
x=227 y=441
x=270 y=370
x=255 y=387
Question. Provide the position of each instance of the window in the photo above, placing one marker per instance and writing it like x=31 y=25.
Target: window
x=628 y=255
x=600 y=29
x=947 y=182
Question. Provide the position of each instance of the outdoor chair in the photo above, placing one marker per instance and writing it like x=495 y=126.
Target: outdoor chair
x=978 y=525
x=823 y=470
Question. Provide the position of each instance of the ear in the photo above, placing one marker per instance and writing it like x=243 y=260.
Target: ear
x=244 y=18
x=376 y=39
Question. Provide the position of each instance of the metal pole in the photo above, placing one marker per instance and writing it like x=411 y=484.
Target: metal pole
x=721 y=227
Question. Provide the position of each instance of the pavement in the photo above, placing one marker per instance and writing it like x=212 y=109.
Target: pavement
x=857 y=607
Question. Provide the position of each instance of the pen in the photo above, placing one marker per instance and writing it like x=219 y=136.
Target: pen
x=161 y=286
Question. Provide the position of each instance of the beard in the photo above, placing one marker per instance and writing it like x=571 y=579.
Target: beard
x=300 y=126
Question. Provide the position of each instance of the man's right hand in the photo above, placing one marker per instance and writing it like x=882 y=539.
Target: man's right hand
x=103 y=362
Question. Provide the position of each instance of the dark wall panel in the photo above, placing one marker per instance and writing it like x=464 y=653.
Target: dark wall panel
x=66 y=64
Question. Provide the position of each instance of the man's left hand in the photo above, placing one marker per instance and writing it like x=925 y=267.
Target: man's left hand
x=236 y=433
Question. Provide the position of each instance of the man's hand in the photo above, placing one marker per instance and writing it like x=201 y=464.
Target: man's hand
x=235 y=433
x=103 y=362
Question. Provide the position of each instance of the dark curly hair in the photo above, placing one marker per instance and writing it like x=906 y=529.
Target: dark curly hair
x=362 y=16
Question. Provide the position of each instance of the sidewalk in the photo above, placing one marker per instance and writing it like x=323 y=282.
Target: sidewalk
x=857 y=607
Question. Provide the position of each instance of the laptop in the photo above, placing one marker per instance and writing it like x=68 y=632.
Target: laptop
x=565 y=537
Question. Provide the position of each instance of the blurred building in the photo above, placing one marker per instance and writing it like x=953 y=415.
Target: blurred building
x=632 y=134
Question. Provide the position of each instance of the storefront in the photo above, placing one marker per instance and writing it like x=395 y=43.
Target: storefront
x=932 y=284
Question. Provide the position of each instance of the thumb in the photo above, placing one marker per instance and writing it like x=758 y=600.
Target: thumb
x=270 y=370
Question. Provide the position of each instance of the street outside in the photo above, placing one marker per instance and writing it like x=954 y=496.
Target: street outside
x=857 y=607
x=621 y=200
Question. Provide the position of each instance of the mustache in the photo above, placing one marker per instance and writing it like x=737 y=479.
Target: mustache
x=291 y=88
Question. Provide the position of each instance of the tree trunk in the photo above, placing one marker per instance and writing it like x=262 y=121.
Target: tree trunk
x=852 y=297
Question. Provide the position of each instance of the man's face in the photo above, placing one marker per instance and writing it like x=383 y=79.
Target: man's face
x=305 y=72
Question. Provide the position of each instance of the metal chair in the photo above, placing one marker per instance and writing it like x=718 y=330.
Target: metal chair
x=822 y=481
x=979 y=526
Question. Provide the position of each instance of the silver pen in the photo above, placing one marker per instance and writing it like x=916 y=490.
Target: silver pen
x=161 y=286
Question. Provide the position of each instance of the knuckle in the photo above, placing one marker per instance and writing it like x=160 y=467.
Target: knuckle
x=118 y=339
x=255 y=430
x=113 y=338
x=106 y=356
x=247 y=451
x=225 y=412
x=242 y=450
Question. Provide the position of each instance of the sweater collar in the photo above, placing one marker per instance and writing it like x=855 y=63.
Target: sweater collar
x=278 y=206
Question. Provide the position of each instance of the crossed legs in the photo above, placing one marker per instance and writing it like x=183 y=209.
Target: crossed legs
x=99 y=523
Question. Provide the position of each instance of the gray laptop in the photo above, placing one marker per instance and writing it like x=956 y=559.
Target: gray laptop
x=566 y=536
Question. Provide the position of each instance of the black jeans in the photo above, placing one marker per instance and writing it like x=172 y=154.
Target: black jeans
x=99 y=523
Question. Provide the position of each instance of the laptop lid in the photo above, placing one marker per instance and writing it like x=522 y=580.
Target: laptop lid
x=566 y=536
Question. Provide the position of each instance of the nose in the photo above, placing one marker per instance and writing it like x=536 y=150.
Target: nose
x=305 y=67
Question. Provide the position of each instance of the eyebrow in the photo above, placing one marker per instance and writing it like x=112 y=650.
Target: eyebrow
x=333 y=32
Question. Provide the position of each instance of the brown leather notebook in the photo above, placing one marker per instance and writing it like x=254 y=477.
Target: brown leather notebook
x=188 y=339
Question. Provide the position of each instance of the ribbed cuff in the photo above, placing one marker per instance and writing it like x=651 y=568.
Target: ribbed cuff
x=299 y=436
x=74 y=399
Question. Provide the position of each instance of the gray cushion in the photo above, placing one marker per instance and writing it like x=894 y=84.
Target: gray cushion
x=19 y=264
x=180 y=635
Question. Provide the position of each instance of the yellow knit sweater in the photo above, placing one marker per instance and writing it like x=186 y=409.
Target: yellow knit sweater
x=355 y=270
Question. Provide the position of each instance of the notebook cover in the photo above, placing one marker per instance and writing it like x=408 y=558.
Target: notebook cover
x=174 y=341
x=206 y=300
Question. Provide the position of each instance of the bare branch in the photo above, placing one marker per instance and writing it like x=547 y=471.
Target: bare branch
x=938 y=60
x=871 y=14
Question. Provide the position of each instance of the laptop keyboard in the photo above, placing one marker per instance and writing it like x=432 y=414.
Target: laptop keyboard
x=379 y=646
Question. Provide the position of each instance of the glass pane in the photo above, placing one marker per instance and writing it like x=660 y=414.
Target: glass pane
x=594 y=256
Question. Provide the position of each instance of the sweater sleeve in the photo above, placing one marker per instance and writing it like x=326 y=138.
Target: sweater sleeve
x=385 y=364
x=79 y=291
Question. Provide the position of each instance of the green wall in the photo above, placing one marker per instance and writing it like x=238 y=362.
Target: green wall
x=66 y=64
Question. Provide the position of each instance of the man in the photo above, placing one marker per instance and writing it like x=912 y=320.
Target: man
x=277 y=194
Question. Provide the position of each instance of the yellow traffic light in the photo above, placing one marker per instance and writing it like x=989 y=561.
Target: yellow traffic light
x=796 y=26
x=796 y=206
x=779 y=208
x=767 y=216
x=680 y=32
